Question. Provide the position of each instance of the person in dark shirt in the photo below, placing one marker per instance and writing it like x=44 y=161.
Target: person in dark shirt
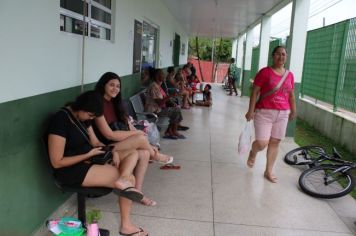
x=71 y=145
x=207 y=98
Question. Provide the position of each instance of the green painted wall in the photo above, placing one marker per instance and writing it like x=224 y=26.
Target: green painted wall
x=246 y=84
x=28 y=194
x=291 y=124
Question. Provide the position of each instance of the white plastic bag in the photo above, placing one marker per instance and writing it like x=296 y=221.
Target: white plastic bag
x=153 y=134
x=245 y=138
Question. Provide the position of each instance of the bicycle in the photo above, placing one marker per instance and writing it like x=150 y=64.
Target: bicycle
x=328 y=180
x=310 y=155
x=329 y=175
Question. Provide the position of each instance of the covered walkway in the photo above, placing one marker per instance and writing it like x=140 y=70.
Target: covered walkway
x=214 y=193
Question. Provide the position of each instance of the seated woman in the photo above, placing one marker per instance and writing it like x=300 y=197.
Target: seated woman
x=156 y=102
x=113 y=128
x=183 y=91
x=71 y=145
x=207 y=98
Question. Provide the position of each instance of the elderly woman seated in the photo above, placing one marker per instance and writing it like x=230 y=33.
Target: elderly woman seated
x=156 y=102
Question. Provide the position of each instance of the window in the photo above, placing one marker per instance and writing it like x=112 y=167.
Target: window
x=98 y=17
x=149 y=43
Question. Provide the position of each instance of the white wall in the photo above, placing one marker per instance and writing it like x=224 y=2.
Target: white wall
x=36 y=57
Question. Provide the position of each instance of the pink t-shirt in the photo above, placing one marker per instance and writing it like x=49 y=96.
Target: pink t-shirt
x=267 y=79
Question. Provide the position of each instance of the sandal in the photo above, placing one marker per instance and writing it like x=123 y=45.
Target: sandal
x=169 y=136
x=157 y=160
x=183 y=128
x=181 y=136
x=170 y=167
x=131 y=194
x=134 y=233
x=170 y=161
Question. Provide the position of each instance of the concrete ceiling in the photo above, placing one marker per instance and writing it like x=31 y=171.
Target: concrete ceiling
x=220 y=18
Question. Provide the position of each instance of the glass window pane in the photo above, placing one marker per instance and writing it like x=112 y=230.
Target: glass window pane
x=99 y=32
x=100 y=15
x=106 y=3
x=74 y=5
x=149 y=41
x=72 y=25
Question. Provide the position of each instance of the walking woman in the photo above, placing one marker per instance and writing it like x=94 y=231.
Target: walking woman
x=274 y=86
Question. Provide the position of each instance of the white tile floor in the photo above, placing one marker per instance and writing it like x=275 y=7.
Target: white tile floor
x=214 y=193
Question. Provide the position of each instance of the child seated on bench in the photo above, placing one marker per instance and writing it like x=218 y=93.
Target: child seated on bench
x=207 y=97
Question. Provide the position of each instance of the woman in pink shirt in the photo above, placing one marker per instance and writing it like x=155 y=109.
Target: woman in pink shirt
x=272 y=112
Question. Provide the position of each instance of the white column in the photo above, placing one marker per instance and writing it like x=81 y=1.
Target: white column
x=298 y=34
x=240 y=51
x=234 y=48
x=248 y=52
x=264 y=41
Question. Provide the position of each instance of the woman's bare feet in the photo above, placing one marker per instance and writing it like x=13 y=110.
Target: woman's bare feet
x=251 y=160
x=148 y=202
x=162 y=158
x=127 y=190
x=270 y=177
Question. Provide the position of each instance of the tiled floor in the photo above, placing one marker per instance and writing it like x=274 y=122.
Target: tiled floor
x=214 y=193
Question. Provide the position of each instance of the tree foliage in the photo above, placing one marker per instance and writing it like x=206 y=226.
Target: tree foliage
x=222 y=51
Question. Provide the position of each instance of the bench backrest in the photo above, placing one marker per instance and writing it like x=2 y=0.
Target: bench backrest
x=137 y=103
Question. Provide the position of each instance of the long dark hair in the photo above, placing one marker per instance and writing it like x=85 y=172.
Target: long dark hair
x=119 y=108
x=89 y=101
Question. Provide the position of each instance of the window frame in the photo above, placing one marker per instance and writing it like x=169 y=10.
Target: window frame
x=89 y=20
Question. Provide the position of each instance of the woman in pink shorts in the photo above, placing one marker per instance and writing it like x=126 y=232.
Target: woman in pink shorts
x=272 y=112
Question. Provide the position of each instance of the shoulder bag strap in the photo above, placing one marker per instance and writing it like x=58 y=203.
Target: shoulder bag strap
x=276 y=87
x=76 y=123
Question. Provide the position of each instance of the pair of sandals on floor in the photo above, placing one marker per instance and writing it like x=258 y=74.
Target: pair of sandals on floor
x=251 y=162
x=179 y=136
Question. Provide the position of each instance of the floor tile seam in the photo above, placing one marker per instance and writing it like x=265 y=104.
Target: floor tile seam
x=211 y=180
x=160 y=217
x=285 y=228
x=172 y=218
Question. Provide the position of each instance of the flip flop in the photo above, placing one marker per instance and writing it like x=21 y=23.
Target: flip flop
x=181 y=136
x=132 y=195
x=183 y=128
x=170 y=167
x=132 y=234
x=170 y=161
x=169 y=136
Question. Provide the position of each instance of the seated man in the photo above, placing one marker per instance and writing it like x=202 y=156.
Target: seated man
x=207 y=98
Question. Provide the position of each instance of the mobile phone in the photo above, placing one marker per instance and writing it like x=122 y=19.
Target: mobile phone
x=107 y=148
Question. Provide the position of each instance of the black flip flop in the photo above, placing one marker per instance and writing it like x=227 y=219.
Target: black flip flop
x=183 y=128
x=132 y=195
x=132 y=234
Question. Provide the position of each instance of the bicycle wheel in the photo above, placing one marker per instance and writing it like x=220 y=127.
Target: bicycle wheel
x=323 y=182
x=303 y=155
